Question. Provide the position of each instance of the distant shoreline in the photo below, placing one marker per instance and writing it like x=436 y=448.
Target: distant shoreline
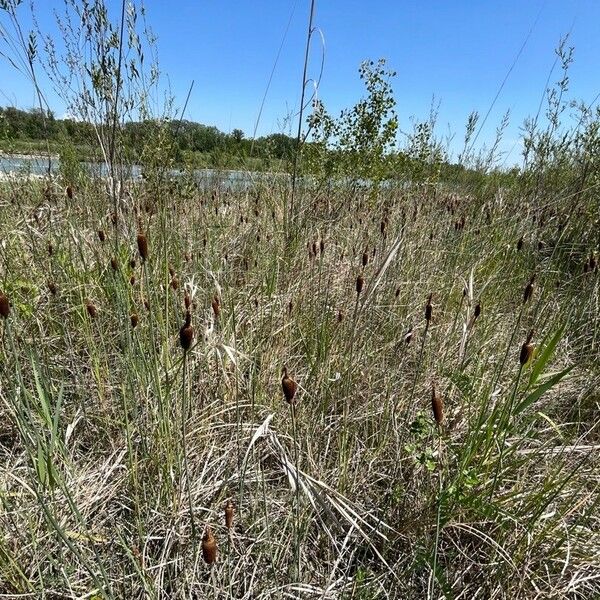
x=33 y=156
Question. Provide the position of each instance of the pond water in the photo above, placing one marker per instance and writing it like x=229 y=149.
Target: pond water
x=38 y=166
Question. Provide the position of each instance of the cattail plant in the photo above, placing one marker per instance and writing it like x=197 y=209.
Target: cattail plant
x=360 y=282
x=289 y=387
x=526 y=350
x=477 y=311
x=4 y=306
x=187 y=301
x=216 y=306
x=437 y=405
x=69 y=192
x=365 y=258
x=114 y=265
x=528 y=293
x=520 y=243
x=209 y=546
x=429 y=309
x=174 y=283
x=134 y=320
x=186 y=333
x=101 y=235
x=229 y=512
x=91 y=309
x=142 y=244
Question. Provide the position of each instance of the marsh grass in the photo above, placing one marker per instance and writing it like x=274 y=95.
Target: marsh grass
x=119 y=449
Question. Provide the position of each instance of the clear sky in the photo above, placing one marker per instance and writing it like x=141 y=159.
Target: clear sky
x=458 y=50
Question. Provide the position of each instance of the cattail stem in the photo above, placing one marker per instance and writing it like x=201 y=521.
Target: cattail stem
x=297 y=473
x=439 y=516
x=503 y=426
x=188 y=481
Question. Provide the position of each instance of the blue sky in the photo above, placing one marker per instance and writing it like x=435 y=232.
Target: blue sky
x=458 y=50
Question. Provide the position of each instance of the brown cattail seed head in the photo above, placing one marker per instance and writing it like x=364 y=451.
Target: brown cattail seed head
x=132 y=263
x=101 y=235
x=360 y=282
x=289 y=387
x=50 y=249
x=528 y=290
x=322 y=246
x=69 y=192
x=365 y=259
x=114 y=265
x=477 y=310
x=429 y=309
x=92 y=311
x=132 y=280
x=187 y=301
x=437 y=405
x=526 y=350
x=4 y=306
x=174 y=283
x=52 y=288
x=229 y=514
x=216 y=306
x=520 y=244
x=142 y=243
x=209 y=547
x=134 y=320
x=186 y=333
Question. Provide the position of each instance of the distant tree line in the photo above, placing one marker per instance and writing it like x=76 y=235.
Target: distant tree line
x=186 y=136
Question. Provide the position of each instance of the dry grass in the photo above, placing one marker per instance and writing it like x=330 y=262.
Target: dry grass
x=119 y=451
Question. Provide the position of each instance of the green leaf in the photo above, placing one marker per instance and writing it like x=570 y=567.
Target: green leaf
x=541 y=390
x=545 y=355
